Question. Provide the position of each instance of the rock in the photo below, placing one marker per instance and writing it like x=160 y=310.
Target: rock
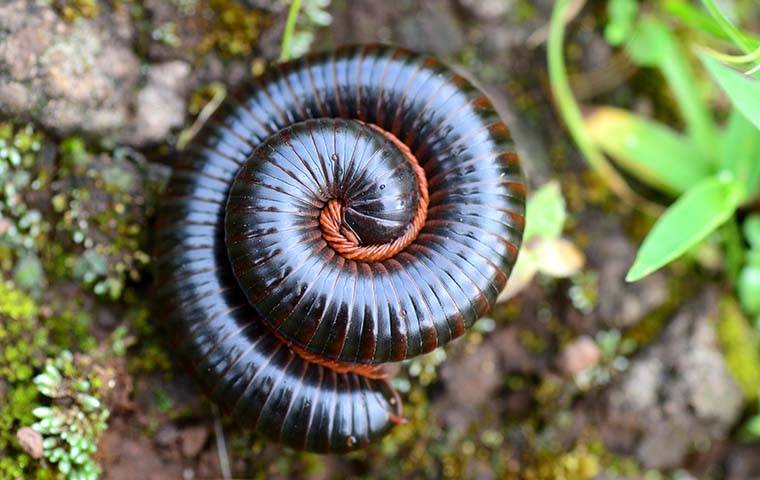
x=514 y=357
x=30 y=441
x=82 y=76
x=743 y=462
x=67 y=76
x=167 y=435
x=488 y=9
x=161 y=105
x=677 y=396
x=430 y=26
x=611 y=254
x=434 y=28
x=126 y=457
x=579 y=355
x=193 y=439
x=471 y=381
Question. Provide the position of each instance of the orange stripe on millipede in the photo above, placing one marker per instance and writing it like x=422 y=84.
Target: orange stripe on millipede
x=346 y=244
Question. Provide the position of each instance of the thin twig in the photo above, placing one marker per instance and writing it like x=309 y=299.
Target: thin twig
x=221 y=444
x=290 y=27
x=736 y=59
x=203 y=116
x=539 y=37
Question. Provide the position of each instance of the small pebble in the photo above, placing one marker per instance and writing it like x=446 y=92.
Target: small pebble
x=579 y=355
x=30 y=441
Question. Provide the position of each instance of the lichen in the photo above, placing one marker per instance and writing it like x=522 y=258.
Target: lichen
x=150 y=352
x=232 y=28
x=24 y=345
x=72 y=424
x=102 y=201
x=22 y=226
x=578 y=464
x=615 y=349
x=73 y=9
x=741 y=347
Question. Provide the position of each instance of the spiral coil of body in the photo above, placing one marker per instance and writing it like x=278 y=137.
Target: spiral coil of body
x=347 y=210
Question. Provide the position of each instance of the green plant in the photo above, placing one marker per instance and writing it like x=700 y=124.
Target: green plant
x=749 y=277
x=544 y=249
x=296 y=42
x=101 y=201
x=24 y=344
x=614 y=350
x=711 y=171
x=22 y=226
x=73 y=423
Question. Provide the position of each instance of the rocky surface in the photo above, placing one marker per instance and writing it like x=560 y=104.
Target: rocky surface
x=677 y=397
x=84 y=76
x=621 y=304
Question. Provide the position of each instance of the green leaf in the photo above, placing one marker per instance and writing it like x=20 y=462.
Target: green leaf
x=751 y=230
x=695 y=18
x=753 y=426
x=740 y=151
x=622 y=17
x=740 y=344
x=650 y=43
x=738 y=37
x=28 y=273
x=43 y=412
x=654 y=45
x=545 y=213
x=696 y=214
x=749 y=288
x=743 y=90
x=651 y=151
x=88 y=402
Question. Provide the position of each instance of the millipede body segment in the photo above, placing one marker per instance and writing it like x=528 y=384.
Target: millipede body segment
x=347 y=210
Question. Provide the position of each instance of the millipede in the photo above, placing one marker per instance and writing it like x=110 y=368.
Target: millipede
x=343 y=211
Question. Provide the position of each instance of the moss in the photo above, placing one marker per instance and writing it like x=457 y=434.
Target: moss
x=150 y=354
x=23 y=346
x=23 y=230
x=233 y=29
x=73 y=9
x=69 y=322
x=24 y=342
x=579 y=464
x=586 y=460
x=741 y=347
x=103 y=201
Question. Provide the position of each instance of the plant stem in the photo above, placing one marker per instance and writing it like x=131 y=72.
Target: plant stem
x=221 y=444
x=734 y=249
x=290 y=27
x=735 y=59
x=570 y=111
x=680 y=77
x=733 y=33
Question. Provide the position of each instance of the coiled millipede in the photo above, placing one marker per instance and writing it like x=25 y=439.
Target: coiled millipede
x=348 y=209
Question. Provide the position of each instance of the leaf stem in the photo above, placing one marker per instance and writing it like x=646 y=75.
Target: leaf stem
x=290 y=27
x=735 y=59
x=733 y=33
x=570 y=111
x=696 y=113
x=734 y=249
